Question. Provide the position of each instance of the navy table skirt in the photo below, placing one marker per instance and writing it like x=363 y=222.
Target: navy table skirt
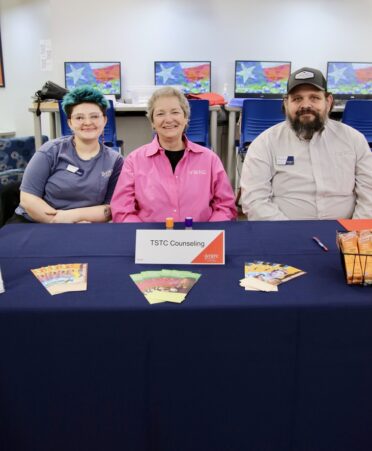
x=227 y=370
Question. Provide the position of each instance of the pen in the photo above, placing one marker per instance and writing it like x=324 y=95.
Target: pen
x=323 y=246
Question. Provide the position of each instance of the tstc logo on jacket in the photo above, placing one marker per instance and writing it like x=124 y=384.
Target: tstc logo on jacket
x=197 y=172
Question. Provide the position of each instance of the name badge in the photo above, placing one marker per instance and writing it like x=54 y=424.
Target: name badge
x=283 y=160
x=182 y=247
x=74 y=169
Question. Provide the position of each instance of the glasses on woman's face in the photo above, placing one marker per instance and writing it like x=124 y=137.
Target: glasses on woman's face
x=80 y=118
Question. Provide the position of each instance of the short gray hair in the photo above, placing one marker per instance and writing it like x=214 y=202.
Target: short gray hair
x=168 y=91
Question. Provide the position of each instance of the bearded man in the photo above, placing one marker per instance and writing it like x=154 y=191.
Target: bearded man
x=309 y=166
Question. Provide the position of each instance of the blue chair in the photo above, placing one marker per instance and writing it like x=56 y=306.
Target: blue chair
x=198 y=128
x=358 y=114
x=65 y=129
x=257 y=116
x=109 y=132
x=15 y=153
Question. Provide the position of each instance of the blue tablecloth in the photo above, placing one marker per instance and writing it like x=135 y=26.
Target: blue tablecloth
x=227 y=370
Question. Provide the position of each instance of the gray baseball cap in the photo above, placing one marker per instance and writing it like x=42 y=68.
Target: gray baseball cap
x=307 y=76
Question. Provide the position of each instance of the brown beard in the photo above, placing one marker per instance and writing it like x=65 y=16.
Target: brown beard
x=306 y=130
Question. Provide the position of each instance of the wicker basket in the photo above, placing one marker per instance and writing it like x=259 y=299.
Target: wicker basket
x=357 y=267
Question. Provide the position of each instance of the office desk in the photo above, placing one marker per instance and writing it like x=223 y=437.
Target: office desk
x=52 y=109
x=225 y=370
x=7 y=133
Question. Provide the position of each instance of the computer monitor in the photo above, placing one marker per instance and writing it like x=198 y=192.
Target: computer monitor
x=105 y=76
x=266 y=79
x=193 y=76
x=346 y=80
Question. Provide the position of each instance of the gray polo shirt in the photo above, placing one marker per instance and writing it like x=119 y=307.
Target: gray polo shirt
x=60 y=177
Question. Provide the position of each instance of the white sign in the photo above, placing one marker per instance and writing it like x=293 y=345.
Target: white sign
x=187 y=247
x=46 y=62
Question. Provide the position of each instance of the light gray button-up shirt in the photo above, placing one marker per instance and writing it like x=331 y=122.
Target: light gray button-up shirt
x=327 y=177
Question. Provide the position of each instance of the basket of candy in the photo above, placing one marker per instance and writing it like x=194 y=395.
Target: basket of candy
x=356 y=256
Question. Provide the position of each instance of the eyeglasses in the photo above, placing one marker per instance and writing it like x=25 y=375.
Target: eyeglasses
x=80 y=118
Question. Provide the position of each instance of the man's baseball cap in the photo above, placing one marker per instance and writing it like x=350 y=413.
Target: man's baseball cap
x=307 y=76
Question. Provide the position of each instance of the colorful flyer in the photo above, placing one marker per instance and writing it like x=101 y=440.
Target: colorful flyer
x=266 y=276
x=165 y=285
x=61 y=278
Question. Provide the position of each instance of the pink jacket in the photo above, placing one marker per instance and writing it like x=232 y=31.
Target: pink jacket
x=148 y=191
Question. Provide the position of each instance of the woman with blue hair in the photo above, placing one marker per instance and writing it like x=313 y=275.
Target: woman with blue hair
x=71 y=179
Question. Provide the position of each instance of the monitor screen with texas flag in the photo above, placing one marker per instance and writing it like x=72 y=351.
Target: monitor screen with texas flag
x=346 y=80
x=194 y=77
x=266 y=79
x=105 y=76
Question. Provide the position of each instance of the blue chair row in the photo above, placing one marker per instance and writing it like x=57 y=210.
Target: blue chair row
x=109 y=132
x=260 y=114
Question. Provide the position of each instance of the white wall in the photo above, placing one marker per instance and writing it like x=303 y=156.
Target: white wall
x=22 y=24
x=137 y=32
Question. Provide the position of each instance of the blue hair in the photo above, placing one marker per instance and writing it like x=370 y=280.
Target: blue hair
x=84 y=94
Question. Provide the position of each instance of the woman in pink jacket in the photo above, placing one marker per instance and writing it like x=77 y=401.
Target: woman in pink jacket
x=172 y=176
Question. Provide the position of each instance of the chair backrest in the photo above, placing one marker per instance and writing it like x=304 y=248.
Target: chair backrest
x=16 y=152
x=65 y=129
x=198 y=129
x=358 y=114
x=109 y=132
x=257 y=116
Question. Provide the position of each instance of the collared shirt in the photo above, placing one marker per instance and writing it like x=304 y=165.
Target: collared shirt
x=149 y=191
x=327 y=177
